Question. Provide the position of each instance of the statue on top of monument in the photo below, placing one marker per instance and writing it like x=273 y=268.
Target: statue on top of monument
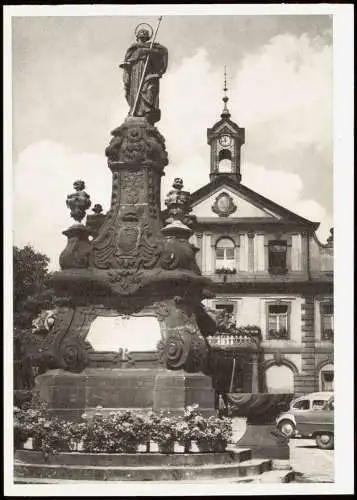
x=144 y=64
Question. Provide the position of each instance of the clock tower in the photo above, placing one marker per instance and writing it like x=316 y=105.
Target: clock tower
x=225 y=139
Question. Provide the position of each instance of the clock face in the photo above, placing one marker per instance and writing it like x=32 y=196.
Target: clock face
x=225 y=140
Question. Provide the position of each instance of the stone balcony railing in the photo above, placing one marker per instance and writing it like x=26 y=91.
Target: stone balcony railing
x=232 y=341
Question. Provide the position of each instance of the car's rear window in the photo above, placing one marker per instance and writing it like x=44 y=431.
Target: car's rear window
x=318 y=403
x=303 y=404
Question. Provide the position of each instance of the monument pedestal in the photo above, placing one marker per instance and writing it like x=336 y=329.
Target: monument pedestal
x=69 y=395
x=175 y=390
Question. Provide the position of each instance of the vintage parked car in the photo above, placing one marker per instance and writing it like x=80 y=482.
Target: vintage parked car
x=286 y=421
x=319 y=424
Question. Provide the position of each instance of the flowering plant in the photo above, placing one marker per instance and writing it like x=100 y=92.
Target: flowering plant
x=225 y=270
x=164 y=429
x=119 y=431
x=116 y=432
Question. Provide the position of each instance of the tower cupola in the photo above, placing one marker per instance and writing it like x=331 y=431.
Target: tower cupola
x=225 y=139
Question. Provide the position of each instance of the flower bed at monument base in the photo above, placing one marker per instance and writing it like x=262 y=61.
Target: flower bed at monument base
x=121 y=432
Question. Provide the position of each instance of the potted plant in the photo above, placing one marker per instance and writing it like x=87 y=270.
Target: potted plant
x=164 y=432
x=199 y=433
x=218 y=433
x=187 y=430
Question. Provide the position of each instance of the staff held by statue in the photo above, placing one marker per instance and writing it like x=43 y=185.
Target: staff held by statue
x=132 y=113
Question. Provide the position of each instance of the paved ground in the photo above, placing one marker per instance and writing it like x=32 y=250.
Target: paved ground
x=314 y=464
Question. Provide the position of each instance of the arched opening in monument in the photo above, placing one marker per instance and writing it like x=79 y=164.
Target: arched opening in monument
x=279 y=379
x=225 y=161
x=132 y=333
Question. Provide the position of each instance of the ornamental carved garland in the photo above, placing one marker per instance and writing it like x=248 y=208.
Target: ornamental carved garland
x=224 y=205
x=137 y=143
x=132 y=185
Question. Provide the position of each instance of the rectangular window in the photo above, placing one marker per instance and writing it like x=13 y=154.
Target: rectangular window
x=220 y=253
x=226 y=317
x=277 y=251
x=229 y=253
x=228 y=307
x=278 y=321
x=326 y=311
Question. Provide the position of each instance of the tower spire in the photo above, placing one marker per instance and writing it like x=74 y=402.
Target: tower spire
x=225 y=112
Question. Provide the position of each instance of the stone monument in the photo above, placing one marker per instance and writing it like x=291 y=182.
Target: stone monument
x=130 y=264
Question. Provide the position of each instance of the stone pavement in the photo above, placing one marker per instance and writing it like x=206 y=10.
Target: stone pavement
x=313 y=464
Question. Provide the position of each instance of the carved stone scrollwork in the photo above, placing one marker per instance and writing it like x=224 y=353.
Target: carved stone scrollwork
x=132 y=186
x=137 y=142
x=126 y=281
x=174 y=351
x=183 y=350
x=73 y=354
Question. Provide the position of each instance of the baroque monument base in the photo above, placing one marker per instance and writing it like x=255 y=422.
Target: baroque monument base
x=71 y=394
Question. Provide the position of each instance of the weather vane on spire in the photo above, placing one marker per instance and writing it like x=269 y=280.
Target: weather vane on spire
x=225 y=80
x=225 y=112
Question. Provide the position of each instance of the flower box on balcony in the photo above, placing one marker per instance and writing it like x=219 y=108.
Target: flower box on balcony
x=224 y=270
x=278 y=270
x=281 y=334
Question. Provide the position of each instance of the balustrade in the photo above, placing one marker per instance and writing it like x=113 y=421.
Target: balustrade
x=230 y=340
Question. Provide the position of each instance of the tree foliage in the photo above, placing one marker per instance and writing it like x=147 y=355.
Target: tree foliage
x=31 y=284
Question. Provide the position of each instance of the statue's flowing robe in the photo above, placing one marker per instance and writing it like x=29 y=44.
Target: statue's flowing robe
x=148 y=99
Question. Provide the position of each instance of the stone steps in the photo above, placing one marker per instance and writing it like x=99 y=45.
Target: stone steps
x=230 y=466
x=232 y=455
x=270 y=476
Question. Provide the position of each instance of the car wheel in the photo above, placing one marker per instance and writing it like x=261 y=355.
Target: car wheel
x=287 y=428
x=325 y=441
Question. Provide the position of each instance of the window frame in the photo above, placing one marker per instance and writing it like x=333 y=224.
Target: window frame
x=300 y=401
x=288 y=320
x=329 y=337
x=223 y=263
x=278 y=270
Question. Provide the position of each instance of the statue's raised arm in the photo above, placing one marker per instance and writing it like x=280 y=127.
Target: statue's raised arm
x=144 y=64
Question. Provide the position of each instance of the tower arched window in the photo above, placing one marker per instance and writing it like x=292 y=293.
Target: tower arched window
x=225 y=254
x=225 y=161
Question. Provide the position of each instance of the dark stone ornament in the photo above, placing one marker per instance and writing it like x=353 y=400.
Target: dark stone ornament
x=78 y=202
x=126 y=281
x=137 y=142
x=178 y=205
x=73 y=354
x=95 y=221
x=174 y=351
x=224 y=205
x=183 y=349
x=76 y=254
x=178 y=253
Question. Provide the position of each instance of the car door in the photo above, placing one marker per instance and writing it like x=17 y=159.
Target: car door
x=317 y=419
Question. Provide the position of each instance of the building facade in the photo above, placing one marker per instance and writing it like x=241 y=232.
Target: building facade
x=270 y=271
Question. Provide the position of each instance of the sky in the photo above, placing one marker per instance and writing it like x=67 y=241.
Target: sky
x=67 y=95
